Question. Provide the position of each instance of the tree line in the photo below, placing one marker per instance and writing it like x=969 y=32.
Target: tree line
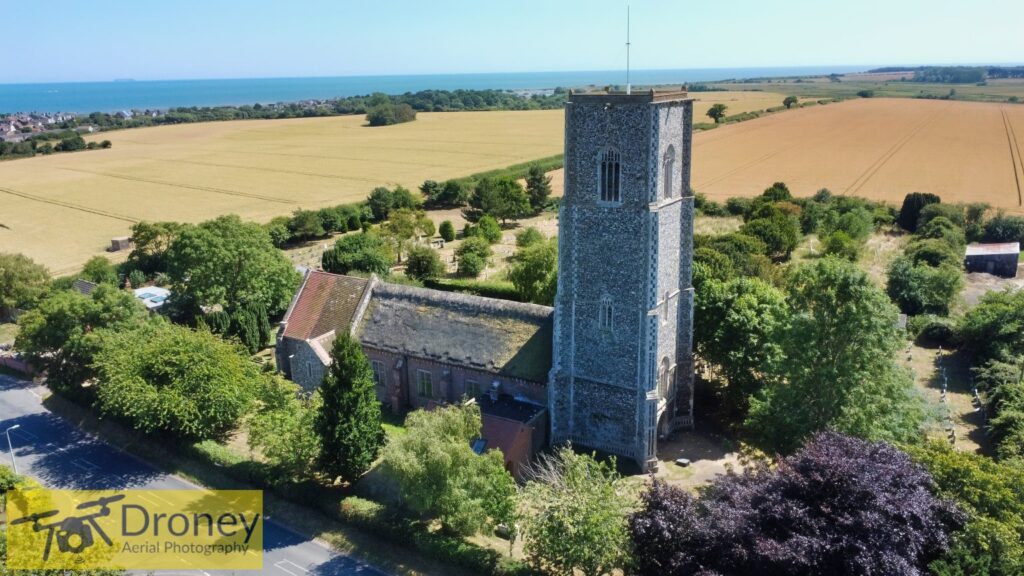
x=67 y=141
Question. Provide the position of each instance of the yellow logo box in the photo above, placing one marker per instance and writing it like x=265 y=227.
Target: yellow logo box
x=135 y=529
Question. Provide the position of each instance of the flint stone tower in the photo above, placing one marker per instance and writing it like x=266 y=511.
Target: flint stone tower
x=622 y=372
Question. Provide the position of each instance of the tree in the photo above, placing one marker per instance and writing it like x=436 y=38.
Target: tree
x=60 y=333
x=22 y=281
x=538 y=187
x=911 y=209
x=450 y=194
x=150 y=242
x=99 y=270
x=535 y=272
x=1003 y=228
x=840 y=245
x=306 y=224
x=471 y=265
x=439 y=476
x=489 y=229
x=502 y=198
x=364 y=252
x=447 y=231
x=162 y=377
x=575 y=515
x=921 y=288
x=780 y=233
x=789 y=101
x=838 y=369
x=226 y=261
x=777 y=192
x=839 y=506
x=717 y=112
x=423 y=263
x=348 y=422
x=528 y=237
x=738 y=326
x=472 y=256
x=382 y=201
x=400 y=228
x=284 y=431
x=994 y=329
x=992 y=496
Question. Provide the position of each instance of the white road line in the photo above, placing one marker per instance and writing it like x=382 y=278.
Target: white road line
x=164 y=500
x=28 y=435
x=293 y=565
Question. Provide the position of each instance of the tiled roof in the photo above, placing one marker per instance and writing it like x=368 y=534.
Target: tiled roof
x=508 y=338
x=325 y=302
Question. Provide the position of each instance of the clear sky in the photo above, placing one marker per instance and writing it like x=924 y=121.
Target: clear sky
x=72 y=40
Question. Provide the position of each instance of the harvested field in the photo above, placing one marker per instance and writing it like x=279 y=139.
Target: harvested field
x=64 y=208
x=876 y=148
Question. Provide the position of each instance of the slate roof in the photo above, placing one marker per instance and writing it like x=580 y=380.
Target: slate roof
x=84 y=287
x=507 y=338
x=325 y=302
x=508 y=407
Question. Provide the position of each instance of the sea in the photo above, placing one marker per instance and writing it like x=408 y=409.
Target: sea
x=111 y=96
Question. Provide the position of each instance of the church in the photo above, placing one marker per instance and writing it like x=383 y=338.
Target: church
x=610 y=367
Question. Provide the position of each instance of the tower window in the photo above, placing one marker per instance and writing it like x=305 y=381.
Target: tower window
x=668 y=166
x=604 y=316
x=424 y=384
x=610 y=176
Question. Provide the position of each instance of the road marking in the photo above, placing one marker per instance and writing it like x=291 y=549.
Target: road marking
x=148 y=501
x=293 y=565
x=164 y=500
x=22 y=433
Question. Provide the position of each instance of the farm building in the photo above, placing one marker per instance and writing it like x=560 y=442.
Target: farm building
x=998 y=259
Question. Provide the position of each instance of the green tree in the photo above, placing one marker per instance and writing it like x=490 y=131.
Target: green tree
x=22 y=281
x=534 y=272
x=349 y=420
x=423 y=263
x=503 y=198
x=60 y=333
x=911 y=209
x=738 y=326
x=226 y=261
x=780 y=233
x=447 y=231
x=576 y=512
x=840 y=245
x=789 y=101
x=99 y=270
x=921 y=288
x=150 y=241
x=839 y=365
x=400 y=229
x=365 y=252
x=162 y=377
x=284 y=432
x=992 y=495
x=489 y=229
x=137 y=278
x=717 y=112
x=528 y=237
x=471 y=265
x=439 y=476
x=538 y=187
x=306 y=224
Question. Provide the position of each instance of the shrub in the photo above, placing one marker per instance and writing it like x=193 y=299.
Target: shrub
x=137 y=278
x=1003 y=228
x=952 y=212
x=913 y=203
x=474 y=245
x=364 y=252
x=528 y=237
x=423 y=263
x=866 y=93
x=447 y=231
x=931 y=330
x=489 y=229
x=919 y=288
x=471 y=265
x=841 y=245
x=737 y=206
x=933 y=252
x=940 y=227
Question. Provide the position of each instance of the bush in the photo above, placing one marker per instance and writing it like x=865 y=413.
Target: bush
x=471 y=265
x=423 y=263
x=913 y=203
x=737 y=206
x=866 y=93
x=447 y=231
x=1003 y=228
x=841 y=245
x=474 y=245
x=528 y=237
x=952 y=212
x=930 y=330
x=489 y=229
x=137 y=278
x=365 y=252
x=919 y=288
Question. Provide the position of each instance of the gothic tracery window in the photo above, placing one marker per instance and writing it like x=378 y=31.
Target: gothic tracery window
x=610 y=177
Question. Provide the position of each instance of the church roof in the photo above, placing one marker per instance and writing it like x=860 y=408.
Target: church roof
x=504 y=337
x=325 y=302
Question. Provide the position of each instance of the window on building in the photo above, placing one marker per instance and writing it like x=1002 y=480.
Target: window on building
x=610 y=177
x=472 y=388
x=379 y=378
x=604 y=316
x=425 y=383
x=668 y=168
x=664 y=374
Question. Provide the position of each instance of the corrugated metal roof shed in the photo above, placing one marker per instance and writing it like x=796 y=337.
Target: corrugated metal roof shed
x=988 y=249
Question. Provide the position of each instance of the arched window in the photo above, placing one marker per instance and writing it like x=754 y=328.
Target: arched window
x=604 y=315
x=610 y=176
x=668 y=168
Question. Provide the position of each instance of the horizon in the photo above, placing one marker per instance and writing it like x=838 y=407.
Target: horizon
x=321 y=39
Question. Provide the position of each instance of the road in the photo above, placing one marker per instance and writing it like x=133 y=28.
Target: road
x=59 y=455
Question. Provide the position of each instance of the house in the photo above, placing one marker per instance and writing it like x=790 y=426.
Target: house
x=430 y=348
x=998 y=259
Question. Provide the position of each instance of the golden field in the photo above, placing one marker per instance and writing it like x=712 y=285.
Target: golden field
x=62 y=209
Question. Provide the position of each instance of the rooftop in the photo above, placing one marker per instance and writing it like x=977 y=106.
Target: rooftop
x=992 y=249
x=636 y=96
x=325 y=302
x=508 y=407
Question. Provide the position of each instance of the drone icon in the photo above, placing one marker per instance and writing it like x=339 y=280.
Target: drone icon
x=74 y=533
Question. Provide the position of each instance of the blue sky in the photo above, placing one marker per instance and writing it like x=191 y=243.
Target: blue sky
x=75 y=40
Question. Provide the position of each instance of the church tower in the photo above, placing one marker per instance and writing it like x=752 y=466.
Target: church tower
x=622 y=372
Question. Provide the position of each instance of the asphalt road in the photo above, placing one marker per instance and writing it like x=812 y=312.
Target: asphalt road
x=59 y=455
